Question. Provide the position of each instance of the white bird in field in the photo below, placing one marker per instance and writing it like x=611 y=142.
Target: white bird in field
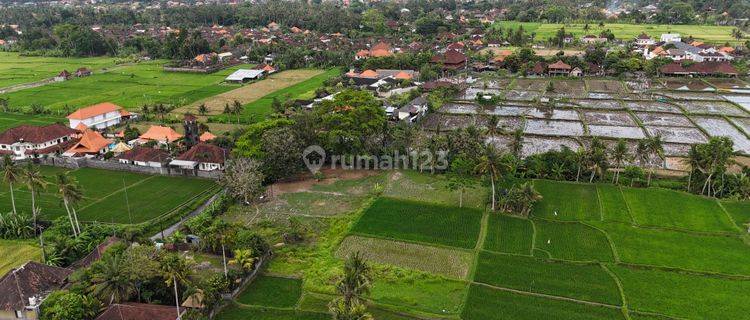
x=555 y=212
x=549 y=241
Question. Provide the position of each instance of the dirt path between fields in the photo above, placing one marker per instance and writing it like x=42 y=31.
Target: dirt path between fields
x=252 y=91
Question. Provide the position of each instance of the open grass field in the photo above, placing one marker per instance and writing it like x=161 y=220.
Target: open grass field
x=571 y=241
x=657 y=291
x=256 y=90
x=421 y=222
x=437 y=260
x=614 y=207
x=10 y=120
x=271 y=291
x=431 y=295
x=485 y=303
x=111 y=196
x=15 y=69
x=509 y=235
x=706 y=33
x=740 y=212
x=587 y=282
x=128 y=86
x=674 y=209
x=237 y=312
x=412 y=185
x=566 y=201
x=15 y=253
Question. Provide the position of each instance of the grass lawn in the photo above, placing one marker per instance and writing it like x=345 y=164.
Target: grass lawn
x=421 y=222
x=485 y=303
x=270 y=291
x=571 y=241
x=413 y=185
x=15 y=253
x=722 y=254
x=15 y=69
x=566 y=201
x=111 y=196
x=740 y=212
x=625 y=31
x=236 y=312
x=10 y=120
x=674 y=209
x=579 y=281
x=433 y=295
x=129 y=86
x=509 y=234
x=437 y=260
x=614 y=207
x=684 y=295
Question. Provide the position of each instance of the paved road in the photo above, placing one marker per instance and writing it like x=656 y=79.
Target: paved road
x=169 y=231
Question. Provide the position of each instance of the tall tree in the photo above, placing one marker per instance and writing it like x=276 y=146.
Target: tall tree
x=176 y=270
x=243 y=179
x=71 y=193
x=488 y=165
x=619 y=155
x=35 y=181
x=11 y=175
x=354 y=284
x=110 y=281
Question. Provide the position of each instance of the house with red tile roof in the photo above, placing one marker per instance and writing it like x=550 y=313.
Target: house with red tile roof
x=23 y=289
x=203 y=157
x=451 y=60
x=92 y=143
x=98 y=116
x=145 y=157
x=160 y=134
x=559 y=68
x=26 y=141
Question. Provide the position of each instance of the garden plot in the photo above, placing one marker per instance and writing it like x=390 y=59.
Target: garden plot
x=720 y=127
x=654 y=106
x=547 y=113
x=733 y=85
x=708 y=96
x=616 y=132
x=531 y=84
x=471 y=93
x=742 y=101
x=663 y=119
x=442 y=122
x=600 y=85
x=600 y=104
x=677 y=134
x=687 y=85
x=572 y=88
x=743 y=123
x=459 y=108
x=608 y=118
x=676 y=149
x=554 y=127
x=535 y=145
x=522 y=95
x=712 y=107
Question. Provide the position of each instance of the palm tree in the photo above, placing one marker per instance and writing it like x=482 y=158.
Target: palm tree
x=619 y=156
x=244 y=259
x=11 y=175
x=175 y=270
x=110 y=281
x=488 y=165
x=237 y=109
x=655 y=148
x=202 y=110
x=71 y=193
x=516 y=144
x=35 y=181
x=693 y=161
x=737 y=34
x=353 y=285
x=580 y=157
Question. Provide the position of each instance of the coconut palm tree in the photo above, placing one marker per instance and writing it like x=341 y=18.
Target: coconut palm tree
x=488 y=165
x=352 y=287
x=35 y=181
x=244 y=259
x=237 y=108
x=580 y=157
x=619 y=156
x=655 y=148
x=110 y=281
x=597 y=158
x=71 y=193
x=202 y=110
x=516 y=144
x=176 y=271
x=11 y=175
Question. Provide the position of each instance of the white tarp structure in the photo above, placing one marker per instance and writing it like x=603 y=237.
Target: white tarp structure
x=243 y=75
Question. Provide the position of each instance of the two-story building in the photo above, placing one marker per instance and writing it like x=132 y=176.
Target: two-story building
x=98 y=116
x=27 y=141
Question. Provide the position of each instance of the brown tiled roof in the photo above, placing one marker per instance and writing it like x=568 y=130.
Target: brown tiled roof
x=538 y=68
x=672 y=68
x=145 y=155
x=712 y=68
x=60 y=147
x=559 y=65
x=35 y=134
x=29 y=280
x=204 y=152
x=95 y=110
x=91 y=142
x=139 y=311
x=450 y=57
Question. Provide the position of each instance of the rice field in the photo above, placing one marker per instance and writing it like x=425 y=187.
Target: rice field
x=16 y=69
x=111 y=196
x=15 y=253
x=269 y=291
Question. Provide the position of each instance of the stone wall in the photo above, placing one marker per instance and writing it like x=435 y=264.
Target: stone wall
x=75 y=163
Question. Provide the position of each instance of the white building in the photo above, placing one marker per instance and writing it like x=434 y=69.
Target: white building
x=27 y=141
x=98 y=116
x=670 y=37
x=244 y=75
